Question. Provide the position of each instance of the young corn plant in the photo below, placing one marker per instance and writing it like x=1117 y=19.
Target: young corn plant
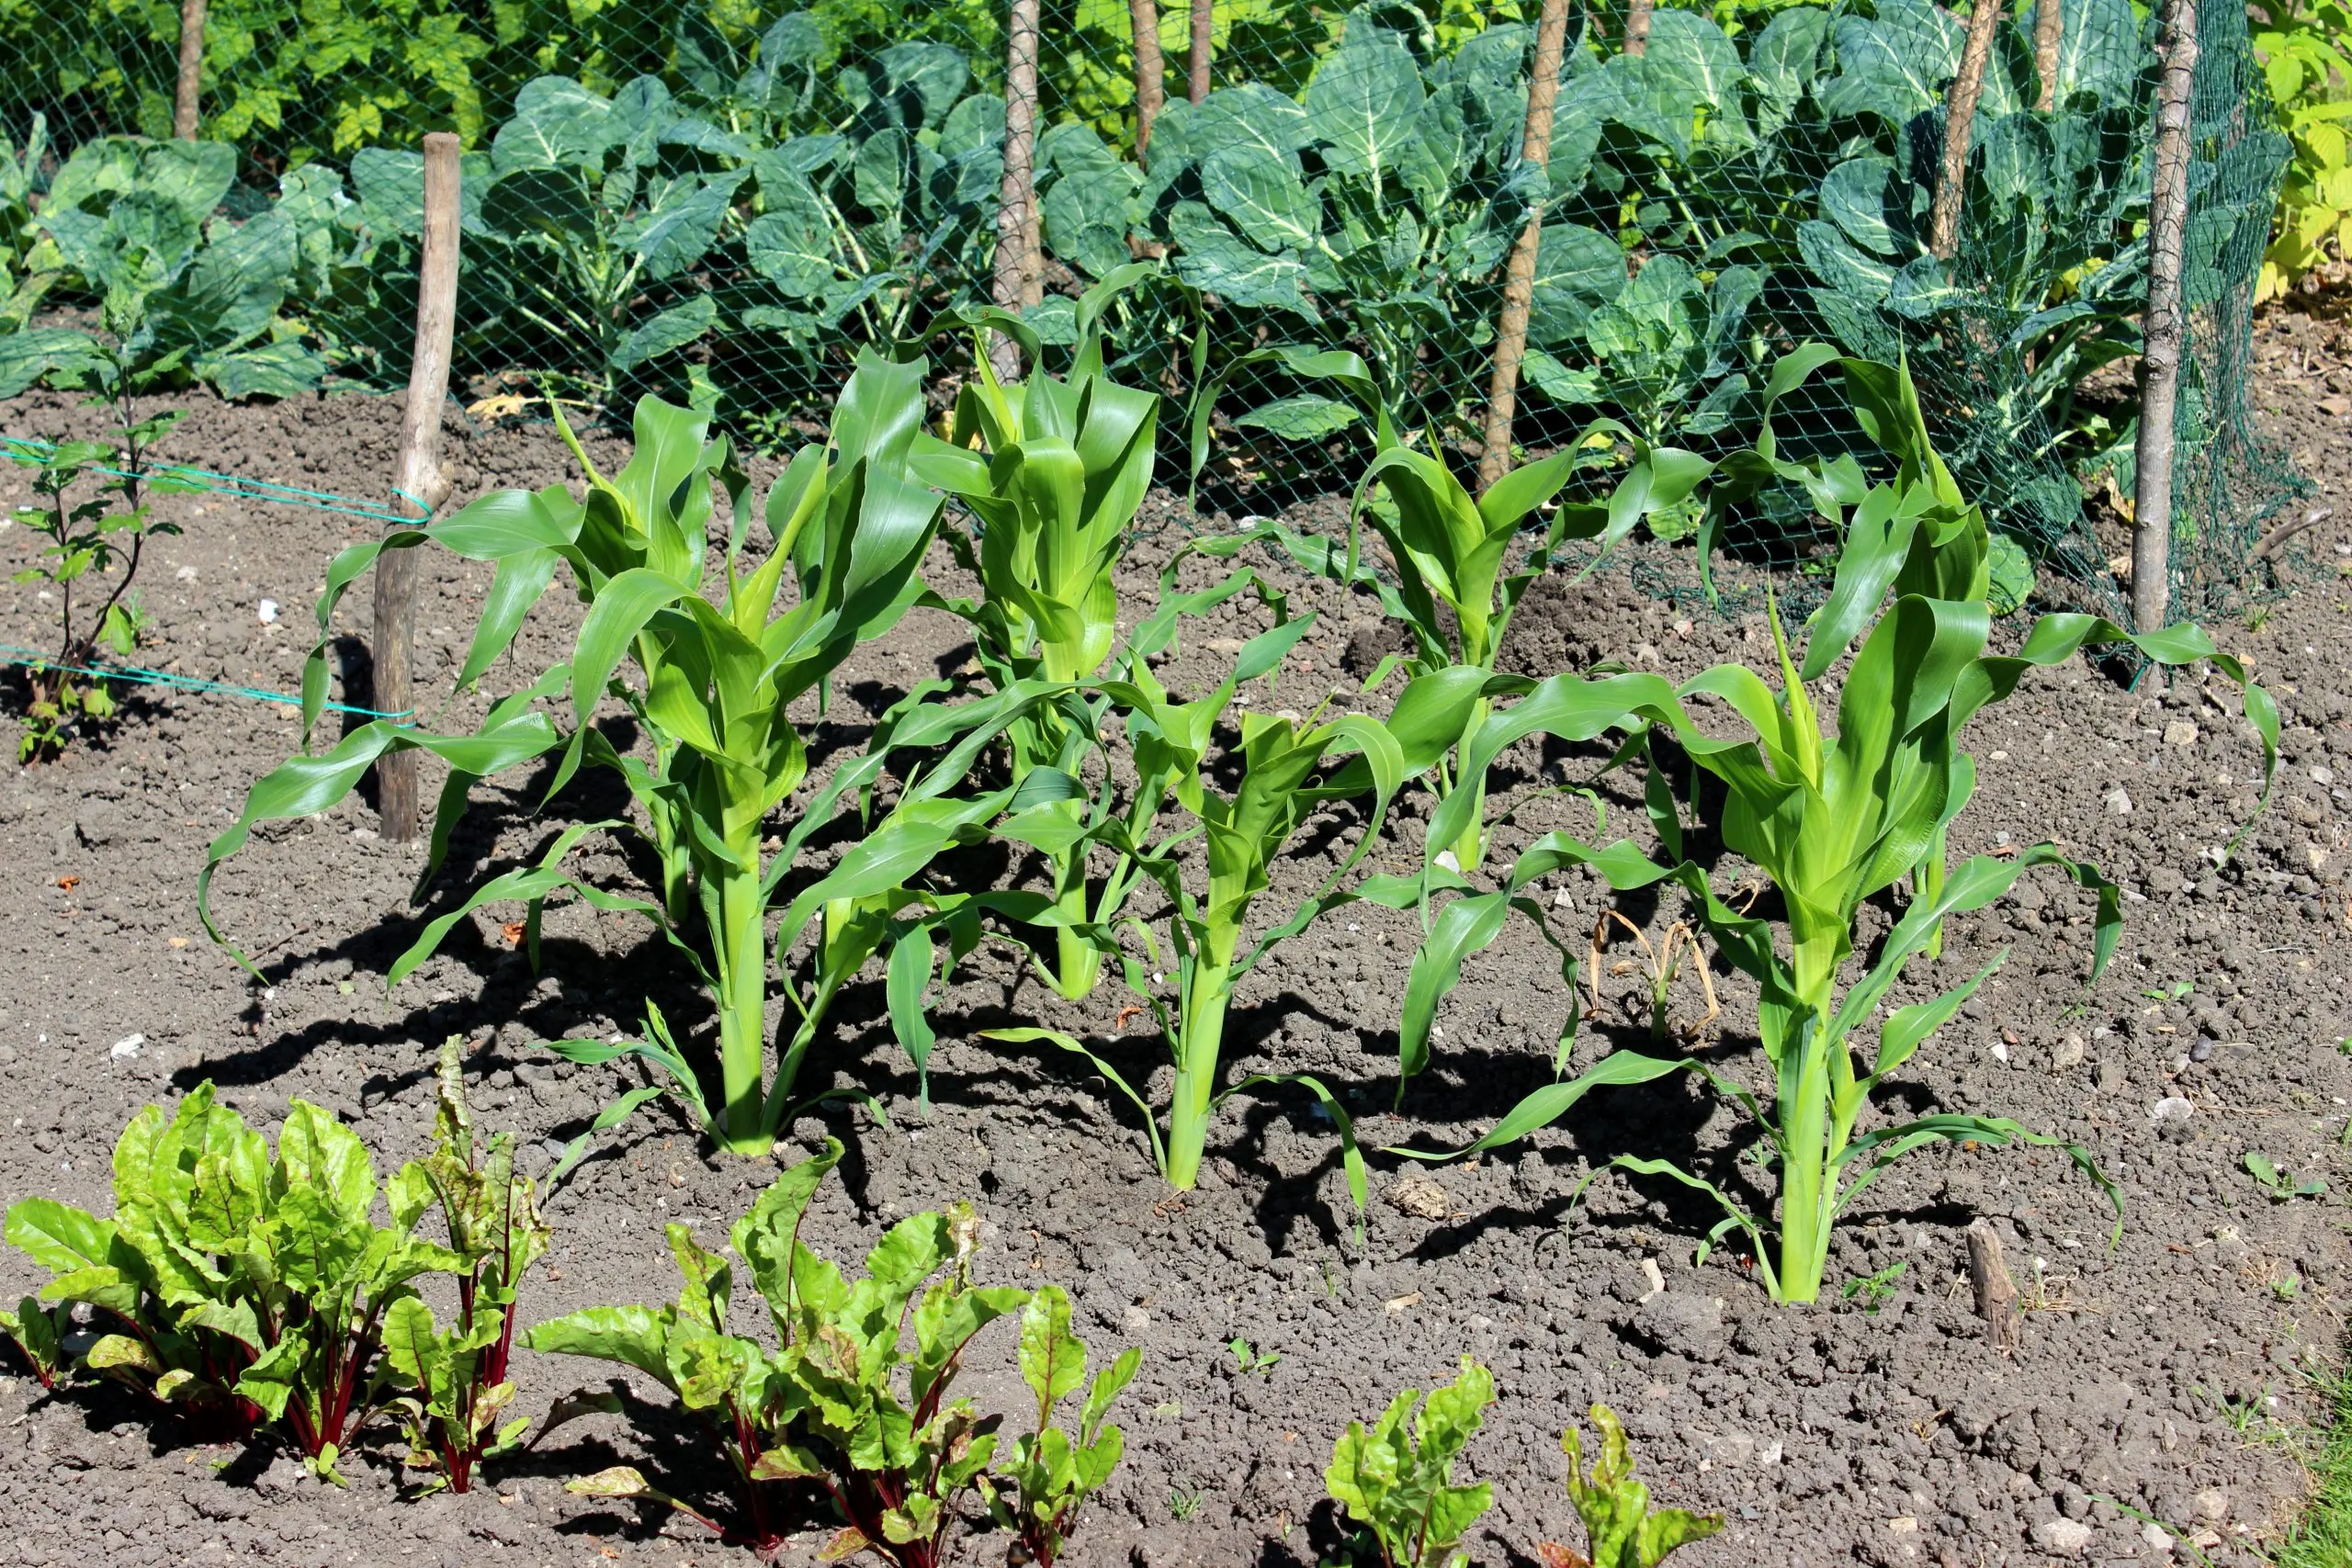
x=241 y=1284
x=1053 y=469
x=855 y=1403
x=1621 y=1531
x=1397 y=1484
x=713 y=677
x=1285 y=767
x=1831 y=815
x=455 y=1387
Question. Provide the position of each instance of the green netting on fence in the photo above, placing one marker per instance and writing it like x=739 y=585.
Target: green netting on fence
x=720 y=202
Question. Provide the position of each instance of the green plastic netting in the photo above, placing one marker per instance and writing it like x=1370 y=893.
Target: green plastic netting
x=721 y=201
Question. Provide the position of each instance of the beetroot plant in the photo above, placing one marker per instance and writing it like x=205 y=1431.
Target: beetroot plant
x=241 y=1284
x=451 y=1387
x=855 y=1405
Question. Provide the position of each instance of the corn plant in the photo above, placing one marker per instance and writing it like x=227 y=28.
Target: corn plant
x=1397 y=1484
x=1621 y=1531
x=1284 y=763
x=1054 y=470
x=455 y=1387
x=713 y=678
x=241 y=1284
x=1831 y=815
x=844 y=1407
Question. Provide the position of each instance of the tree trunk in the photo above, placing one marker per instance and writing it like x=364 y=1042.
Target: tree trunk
x=2163 y=325
x=1638 y=27
x=184 y=102
x=1518 y=280
x=1960 y=121
x=2049 y=26
x=420 y=475
x=1151 y=70
x=1204 y=15
x=1016 y=214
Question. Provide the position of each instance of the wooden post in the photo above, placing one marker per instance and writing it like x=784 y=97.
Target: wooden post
x=1204 y=16
x=1151 y=70
x=420 y=473
x=184 y=101
x=1518 y=280
x=2049 y=27
x=1638 y=27
x=2163 y=325
x=1960 y=119
x=1016 y=217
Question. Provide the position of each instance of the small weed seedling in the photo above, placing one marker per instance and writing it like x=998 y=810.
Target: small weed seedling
x=2281 y=1186
x=1250 y=1360
x=1873 y=1292
x=1621 y=1530
x=1398 y=1487
x=1183 y=1498
x=2177 y=991
x=1659 y=966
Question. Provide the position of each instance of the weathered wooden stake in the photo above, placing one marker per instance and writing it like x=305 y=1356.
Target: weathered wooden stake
x=2049 y=27
x=1960 y=121
x=1196 y=87
x=1016 y=219
x=1518 y=280
x=184 y=100
x=1151 y=70
x=2163 y=325
x=1638 y=27
x=420 y=472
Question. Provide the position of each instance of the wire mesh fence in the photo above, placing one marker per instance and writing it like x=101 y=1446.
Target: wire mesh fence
x=722 y=201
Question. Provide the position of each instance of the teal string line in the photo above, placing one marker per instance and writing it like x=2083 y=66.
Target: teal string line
x=10 y=654
x=242 y=489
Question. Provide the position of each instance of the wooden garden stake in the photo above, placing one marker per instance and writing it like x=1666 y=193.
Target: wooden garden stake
x=1151 y=88
x=1638 y=27
x=2163 y=325
x=1204 y=17
x=183 y=99
x=2049 y=27
x=420 y=472
x=1016 y=217
x=1518 y=280
x=1960 y=118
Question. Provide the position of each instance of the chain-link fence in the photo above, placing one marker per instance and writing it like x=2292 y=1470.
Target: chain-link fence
x=721 y=201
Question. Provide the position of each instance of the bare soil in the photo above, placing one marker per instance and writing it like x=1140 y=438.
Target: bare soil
x=2167 y=1376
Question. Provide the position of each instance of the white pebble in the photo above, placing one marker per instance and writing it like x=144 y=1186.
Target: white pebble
x=128 y=1046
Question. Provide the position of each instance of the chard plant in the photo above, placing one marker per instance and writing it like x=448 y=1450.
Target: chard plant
x=1833 y=815
x=710 y=678
x=455 y=1389
x=1621 y=1531
x=1287 y=766
x=855 y=1403
x=39 y=1334
x=1397 y=1483
x=1054 y=470
x=243 y=1284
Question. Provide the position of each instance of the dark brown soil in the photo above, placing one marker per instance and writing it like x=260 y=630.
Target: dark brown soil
x=2167 y=1377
